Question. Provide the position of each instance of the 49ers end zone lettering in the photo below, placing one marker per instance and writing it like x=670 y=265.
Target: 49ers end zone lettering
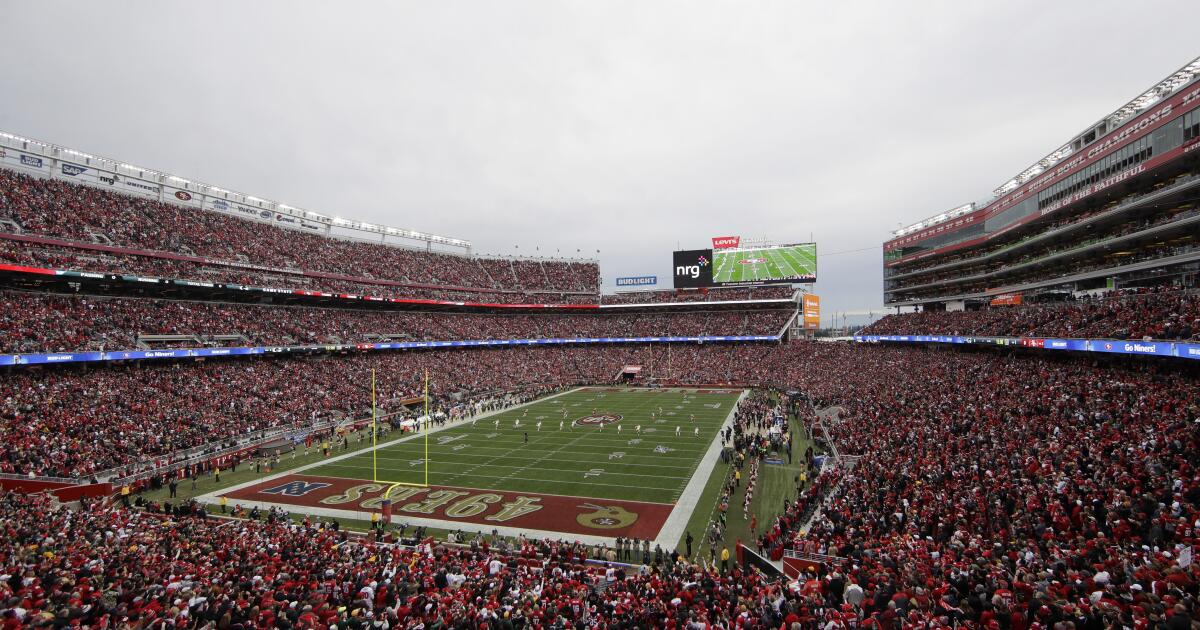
x=573 y=515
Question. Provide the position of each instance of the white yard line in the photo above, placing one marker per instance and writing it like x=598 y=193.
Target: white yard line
x=801 y=267
x=212 y=497
x=559 y=448
x=668 y=536
x=690 y=458
x=677 y=522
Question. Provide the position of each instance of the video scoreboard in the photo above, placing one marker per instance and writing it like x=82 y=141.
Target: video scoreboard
x=727 y=263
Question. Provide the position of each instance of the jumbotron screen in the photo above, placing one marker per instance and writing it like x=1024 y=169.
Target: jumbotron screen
x=782 y=264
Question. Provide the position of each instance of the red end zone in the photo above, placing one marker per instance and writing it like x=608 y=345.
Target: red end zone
x=573 y=515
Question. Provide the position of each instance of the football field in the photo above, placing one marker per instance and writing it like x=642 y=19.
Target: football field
x=587 y=470
x=798 y=263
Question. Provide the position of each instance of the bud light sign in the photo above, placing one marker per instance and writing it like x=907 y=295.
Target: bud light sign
x=637 y=281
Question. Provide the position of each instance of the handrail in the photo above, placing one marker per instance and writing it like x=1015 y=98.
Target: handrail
x=66 y=480
x=197 y=454
x=812 y=556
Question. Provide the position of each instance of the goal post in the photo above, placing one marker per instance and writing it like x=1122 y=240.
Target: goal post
x=424 y=427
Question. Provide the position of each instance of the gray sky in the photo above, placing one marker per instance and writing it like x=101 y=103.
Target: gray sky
x=628 y=127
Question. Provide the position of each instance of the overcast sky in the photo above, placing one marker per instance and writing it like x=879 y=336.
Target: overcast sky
x=624 y=127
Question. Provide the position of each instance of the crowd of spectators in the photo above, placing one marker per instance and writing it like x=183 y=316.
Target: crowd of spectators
x=1019 y=276
x=1011 y=491
x=39 y=322
x=63 y=210
x=42 y=255
x=68 y=258
x=1168 y=313
x=1031 y=237
x=69 y=423
x=107 y=567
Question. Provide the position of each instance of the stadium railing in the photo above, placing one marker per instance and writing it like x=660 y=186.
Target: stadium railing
x=197 y=456
x=41 y=479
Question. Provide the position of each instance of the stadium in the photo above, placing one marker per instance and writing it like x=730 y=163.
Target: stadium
x=223 y=411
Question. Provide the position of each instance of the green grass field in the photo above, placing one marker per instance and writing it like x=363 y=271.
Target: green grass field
x=582 y=460
x=750 y=265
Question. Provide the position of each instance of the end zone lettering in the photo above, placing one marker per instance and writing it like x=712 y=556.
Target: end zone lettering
x=454 y=505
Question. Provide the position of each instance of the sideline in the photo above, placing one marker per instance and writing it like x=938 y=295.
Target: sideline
x=668 y=535
x=677 y=522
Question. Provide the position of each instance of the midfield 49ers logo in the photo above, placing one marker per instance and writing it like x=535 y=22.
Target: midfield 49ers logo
x=599 y=419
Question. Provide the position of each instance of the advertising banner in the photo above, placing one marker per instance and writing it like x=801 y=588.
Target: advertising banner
x=1108 y=346
x=811 y=311
x=18 y=160
x=1079 y=345
x=82 y=174
x=693 y=268
x=1161 y=348
x=139 y=187
x=637 y=281
x=217 y=204
x=179 y=195
x=187 y=353
x=726 y=242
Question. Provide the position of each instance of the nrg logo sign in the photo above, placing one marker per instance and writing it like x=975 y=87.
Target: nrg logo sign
x=693 y=268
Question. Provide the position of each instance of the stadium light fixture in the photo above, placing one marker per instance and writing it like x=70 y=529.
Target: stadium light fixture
x=1111 y=122
x=945 y=216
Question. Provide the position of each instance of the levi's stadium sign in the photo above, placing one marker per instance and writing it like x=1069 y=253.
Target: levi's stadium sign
x=726 y=242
